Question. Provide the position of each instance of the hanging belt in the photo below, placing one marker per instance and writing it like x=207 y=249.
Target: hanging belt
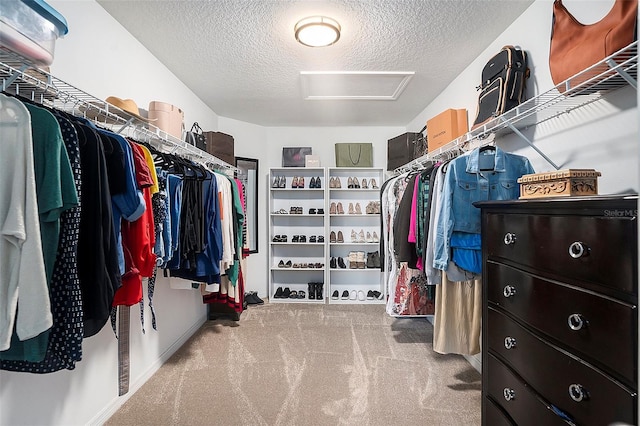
x=123 y=349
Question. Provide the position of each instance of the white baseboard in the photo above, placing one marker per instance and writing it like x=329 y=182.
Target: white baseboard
x=117 y=402
x=475 y=361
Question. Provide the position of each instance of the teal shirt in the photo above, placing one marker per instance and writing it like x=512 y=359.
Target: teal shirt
x=234 y=271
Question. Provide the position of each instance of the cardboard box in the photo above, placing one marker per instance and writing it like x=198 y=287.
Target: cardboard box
x=561 y=183
x=445 y=127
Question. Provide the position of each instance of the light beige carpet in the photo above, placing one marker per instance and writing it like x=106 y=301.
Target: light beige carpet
x=294 y=364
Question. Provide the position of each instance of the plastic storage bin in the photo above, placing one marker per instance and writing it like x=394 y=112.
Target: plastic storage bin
x=30 y=28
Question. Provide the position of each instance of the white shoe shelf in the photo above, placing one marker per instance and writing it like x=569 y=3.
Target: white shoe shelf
x=357 y=283
x=293 y=265
x=302 y=262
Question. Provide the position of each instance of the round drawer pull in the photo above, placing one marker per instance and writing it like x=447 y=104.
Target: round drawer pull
x=578 y=393
x=509 y=291
x=510 y=394
x=578 y=249
x=576 y=322
x=509 y=238
x=509 y=342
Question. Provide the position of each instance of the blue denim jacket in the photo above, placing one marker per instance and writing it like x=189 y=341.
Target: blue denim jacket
x=465 y=184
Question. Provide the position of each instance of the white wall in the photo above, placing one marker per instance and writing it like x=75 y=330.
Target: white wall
x=603 y=137
x=265 y=144
x=101 y=58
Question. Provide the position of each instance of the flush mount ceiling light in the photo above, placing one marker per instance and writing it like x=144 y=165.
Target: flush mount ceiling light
x=317 y=31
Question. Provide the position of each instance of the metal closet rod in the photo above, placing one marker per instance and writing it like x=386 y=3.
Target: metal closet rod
x=44 y=88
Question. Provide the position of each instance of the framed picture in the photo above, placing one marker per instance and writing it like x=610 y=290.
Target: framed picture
x=294 y=156
x=248 y=175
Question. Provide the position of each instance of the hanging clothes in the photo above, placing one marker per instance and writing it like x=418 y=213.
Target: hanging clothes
x=457 y=317
x=80 y=209
x=138 y=237
x=199 y=240
x=22 y=267
x=230 y=292
x=56 y=193
x=408 y=293
x=64 y=346
x=454 y=271
x=479 y=175
x=98 y=267
x=129 y=204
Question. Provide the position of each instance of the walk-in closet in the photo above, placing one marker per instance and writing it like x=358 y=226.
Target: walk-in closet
x=425 y=213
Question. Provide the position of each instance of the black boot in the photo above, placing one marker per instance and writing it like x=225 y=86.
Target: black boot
x=312 y=291
x=319 y=293
x=341 y=263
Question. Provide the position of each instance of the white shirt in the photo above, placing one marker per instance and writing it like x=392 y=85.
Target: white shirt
x=23 y=282
x=226 y=222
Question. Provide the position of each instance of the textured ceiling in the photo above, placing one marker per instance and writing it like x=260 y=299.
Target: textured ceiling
x=241 y=57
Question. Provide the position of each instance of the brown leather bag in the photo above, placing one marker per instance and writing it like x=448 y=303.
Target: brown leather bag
x=575 y=46
x=220 y=145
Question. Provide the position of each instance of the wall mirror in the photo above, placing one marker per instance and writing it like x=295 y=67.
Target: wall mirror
x=248 y=175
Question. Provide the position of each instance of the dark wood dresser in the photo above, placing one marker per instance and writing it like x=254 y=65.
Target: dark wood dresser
x=560 y=320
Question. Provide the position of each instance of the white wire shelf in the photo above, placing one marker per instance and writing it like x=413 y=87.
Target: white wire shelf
x=586 y=87
x=22 y=79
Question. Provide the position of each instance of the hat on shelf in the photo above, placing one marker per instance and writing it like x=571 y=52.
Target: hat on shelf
x=128 y=106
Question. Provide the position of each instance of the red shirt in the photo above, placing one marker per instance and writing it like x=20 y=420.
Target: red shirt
x=138 y=239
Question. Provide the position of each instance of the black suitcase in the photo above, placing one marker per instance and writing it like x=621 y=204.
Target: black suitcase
x=404 y=148
x=503 y=83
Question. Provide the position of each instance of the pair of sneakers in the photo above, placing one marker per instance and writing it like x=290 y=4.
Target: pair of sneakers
x=357 y=295
x=346 y=295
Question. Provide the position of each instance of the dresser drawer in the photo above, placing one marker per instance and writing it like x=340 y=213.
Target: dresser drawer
x=599 y=250
x=494 y=416
x=607 y=401
x=519 y=401
x=609 y=328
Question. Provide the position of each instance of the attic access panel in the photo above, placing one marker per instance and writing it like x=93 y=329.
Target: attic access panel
x=354 y=85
